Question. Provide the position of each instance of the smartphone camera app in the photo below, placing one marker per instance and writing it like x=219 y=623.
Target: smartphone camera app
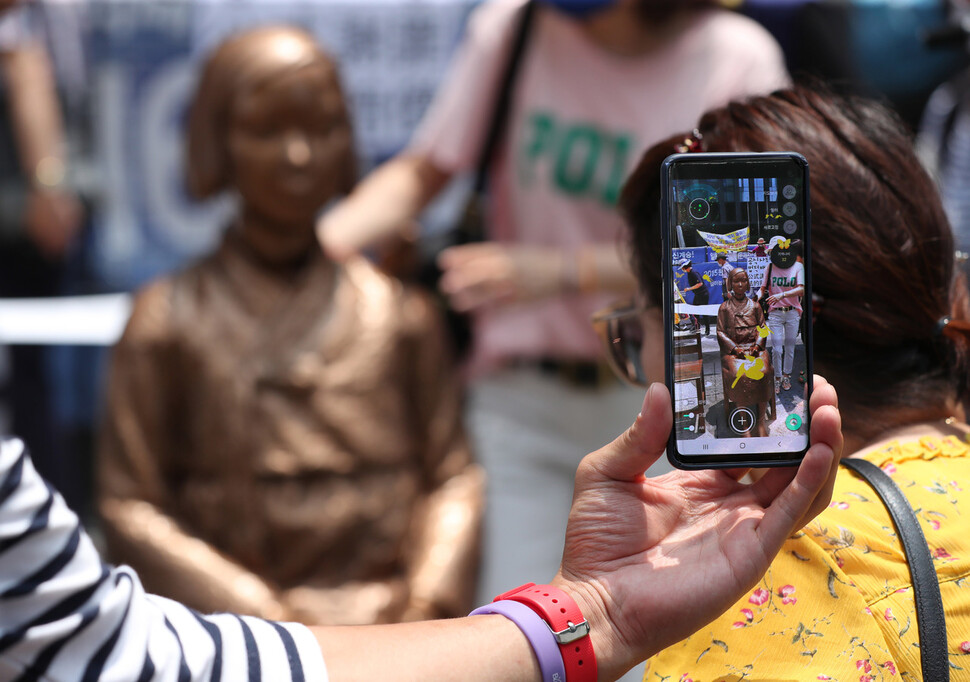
x=738 y=346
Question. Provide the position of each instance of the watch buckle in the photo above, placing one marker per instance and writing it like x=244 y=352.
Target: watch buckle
x=573 y=632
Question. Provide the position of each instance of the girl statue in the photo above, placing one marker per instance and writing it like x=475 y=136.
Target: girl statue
x=282 y=433
x=746 y=368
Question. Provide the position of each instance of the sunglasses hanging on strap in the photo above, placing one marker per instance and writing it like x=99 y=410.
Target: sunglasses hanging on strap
x=930 y=616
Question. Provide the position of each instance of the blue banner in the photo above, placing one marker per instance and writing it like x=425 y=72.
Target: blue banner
x=144 y=59
x=697 y=254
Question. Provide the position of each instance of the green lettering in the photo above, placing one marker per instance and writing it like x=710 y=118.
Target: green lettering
x=621 y=151
x=576 y=162
x=541 y=140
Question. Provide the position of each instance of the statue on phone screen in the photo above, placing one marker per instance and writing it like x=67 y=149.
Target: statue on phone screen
x=282 y=433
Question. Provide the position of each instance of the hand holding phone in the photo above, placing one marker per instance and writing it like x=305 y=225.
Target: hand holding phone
x=737 y=341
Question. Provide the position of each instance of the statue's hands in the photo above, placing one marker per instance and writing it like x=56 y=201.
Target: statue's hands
x=753 y=350
x=650 y=560
x=490 y=273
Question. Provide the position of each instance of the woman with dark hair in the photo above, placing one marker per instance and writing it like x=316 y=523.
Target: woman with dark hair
x=738 y=322
x=891 y=334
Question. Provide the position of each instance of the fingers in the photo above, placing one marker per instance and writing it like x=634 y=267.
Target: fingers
x=823 y=393
x=810 y=490
x=827 y=429
x=824 y=430
x=627 y=457
x=736 y=474
x=475 y=275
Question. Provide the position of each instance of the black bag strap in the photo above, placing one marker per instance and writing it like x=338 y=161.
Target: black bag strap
x=503 y=100
x=930 y=616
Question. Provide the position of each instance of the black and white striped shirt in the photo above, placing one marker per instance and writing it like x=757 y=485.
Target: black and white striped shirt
x=66 y=615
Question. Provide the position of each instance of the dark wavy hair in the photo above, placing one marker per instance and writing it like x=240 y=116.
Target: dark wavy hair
x=882 y=250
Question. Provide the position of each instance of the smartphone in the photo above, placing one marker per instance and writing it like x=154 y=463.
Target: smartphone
x=737 y=308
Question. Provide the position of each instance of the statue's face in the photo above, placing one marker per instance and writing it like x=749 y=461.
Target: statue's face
x=739 y=284
x=288 y=138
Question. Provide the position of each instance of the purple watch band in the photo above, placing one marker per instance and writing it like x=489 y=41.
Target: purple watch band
x=537 y=631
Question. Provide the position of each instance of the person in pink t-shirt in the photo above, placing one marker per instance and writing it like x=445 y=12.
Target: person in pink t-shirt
x=784 y=281
x=591 y=93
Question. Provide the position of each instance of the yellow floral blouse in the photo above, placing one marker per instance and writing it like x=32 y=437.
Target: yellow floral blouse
x=837 y=602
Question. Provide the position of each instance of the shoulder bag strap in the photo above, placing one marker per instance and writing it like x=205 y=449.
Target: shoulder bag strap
x=503 y=99
x=930 y=616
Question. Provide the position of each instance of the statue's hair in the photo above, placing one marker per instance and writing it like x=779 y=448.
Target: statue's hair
x=237 y=64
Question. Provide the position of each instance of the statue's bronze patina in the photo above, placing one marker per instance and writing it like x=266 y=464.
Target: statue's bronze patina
x=282 y=433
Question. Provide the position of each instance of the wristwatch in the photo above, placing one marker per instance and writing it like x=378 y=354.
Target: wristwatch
x=567 y=623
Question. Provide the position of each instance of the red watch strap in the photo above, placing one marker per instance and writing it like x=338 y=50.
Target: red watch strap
x=568 y=624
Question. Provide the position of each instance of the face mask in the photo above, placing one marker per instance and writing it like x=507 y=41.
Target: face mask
x=580 y=9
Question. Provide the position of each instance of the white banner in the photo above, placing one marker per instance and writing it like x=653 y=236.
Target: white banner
x=68 y=321
x=732 y=242
x=687 y=309
x=756 y=267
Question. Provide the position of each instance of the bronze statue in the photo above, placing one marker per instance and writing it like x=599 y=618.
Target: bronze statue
x=746 y=370
x=282 y=433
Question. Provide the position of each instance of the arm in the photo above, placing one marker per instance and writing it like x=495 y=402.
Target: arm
x=481 y=648
x=445 y=535
x=698 y=283
x=727 y=343
x=493 y=273
x=797 y=290
x=382 y=206
x=139 y=431
x=607 y=267
x=760 y=318
x=448 y=140
x=648 y=560
x=53 y=214
x=784 y=293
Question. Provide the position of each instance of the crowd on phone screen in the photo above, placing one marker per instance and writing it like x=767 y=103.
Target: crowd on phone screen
x=538 y=394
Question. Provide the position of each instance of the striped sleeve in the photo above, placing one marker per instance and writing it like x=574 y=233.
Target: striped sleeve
x=65 y=616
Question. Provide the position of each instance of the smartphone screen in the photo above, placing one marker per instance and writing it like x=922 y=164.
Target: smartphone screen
x=737 y=308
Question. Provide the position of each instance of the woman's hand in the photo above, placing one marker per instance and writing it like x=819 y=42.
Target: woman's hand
x=490 y=273
x=650 y=560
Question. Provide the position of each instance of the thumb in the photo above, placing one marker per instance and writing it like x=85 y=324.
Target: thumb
x=627 y=457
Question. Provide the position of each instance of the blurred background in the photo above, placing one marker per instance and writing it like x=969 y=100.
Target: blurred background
x=122 y=72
